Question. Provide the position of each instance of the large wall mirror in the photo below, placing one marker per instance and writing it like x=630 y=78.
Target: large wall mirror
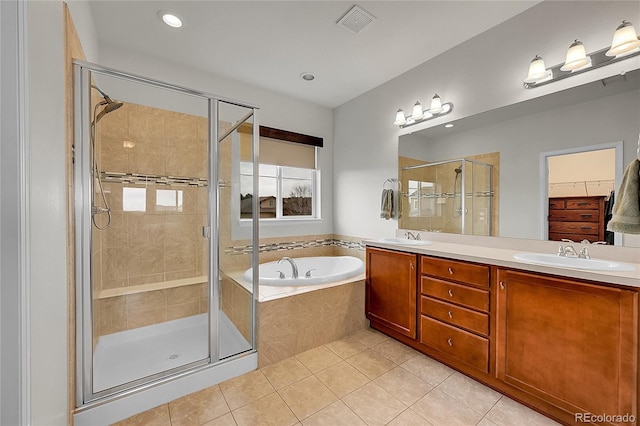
x=522 y=147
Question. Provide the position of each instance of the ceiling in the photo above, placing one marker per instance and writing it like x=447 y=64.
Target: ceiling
x=270 y=43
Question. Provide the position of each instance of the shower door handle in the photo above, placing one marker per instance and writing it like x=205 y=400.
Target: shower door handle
x=206 y=232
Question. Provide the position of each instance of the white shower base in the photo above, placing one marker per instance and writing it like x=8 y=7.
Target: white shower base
x=133 y=354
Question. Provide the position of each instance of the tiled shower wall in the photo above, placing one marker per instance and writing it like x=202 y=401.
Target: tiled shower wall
x=156 y=229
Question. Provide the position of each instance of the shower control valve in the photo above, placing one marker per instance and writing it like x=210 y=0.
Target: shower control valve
x=308 y=273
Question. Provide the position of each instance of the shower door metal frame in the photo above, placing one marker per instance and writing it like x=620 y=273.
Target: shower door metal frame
x=83 y=188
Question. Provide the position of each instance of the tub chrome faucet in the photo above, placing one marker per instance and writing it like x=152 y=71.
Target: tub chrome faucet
x=294 y=267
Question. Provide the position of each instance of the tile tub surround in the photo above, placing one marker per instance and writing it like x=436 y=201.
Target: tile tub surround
x=363 y=379
x=294 y=324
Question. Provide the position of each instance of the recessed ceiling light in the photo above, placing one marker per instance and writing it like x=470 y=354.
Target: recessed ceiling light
x=170 y=19
x=448 y=125
x=307 y=76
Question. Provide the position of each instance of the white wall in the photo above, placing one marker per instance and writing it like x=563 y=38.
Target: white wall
x=479 y=75
x=48 y=215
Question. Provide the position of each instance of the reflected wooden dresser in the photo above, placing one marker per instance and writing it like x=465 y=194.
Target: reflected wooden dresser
x=576 y=218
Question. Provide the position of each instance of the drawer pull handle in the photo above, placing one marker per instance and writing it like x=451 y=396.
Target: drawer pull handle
x=501 y=285
x=450 y=314
x=585 y=228
x=450 y=293
x=586 y=215
x=450 y=342
x=451 y=271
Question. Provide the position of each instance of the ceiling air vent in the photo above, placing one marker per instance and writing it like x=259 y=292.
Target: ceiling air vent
x=355 y=19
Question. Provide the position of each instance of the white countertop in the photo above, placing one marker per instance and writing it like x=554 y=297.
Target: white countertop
x=501 y=256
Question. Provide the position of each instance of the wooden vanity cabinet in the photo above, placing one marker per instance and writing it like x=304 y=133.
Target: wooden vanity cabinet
x=569 y=343
x=454 y=310
x=390 y=290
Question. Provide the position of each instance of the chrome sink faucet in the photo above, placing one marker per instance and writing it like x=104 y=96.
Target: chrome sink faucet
x=294 y=267
x=569 y=251
x=412 y=236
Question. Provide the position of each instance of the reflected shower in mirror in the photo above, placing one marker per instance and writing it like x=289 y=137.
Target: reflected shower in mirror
x=583 y=118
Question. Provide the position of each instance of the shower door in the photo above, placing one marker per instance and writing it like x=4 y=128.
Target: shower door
x=148 y=217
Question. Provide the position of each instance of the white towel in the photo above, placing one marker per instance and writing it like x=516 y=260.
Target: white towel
x=386 y=204
x=626 y=208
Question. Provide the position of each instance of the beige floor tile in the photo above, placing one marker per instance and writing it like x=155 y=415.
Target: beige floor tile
x=427 y=369
x=485 y=422
x=198 y=407
x=371 y=363
x=342 y=378
x=508 y=412
x=442 y=410
x=307 y=397
x=158 y=416
x=474 y=394
x=395 y=351
x=346 y=348
x=285 y=372
x=374 y=405
x=245 y=389
x=402 y=384
x=408 y=418
x=226 y=420
x=336 y=414
x=269 y=410
x=370 y=337
x=318 y=359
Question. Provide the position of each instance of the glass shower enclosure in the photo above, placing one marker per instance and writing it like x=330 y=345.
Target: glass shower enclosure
x=453 y=196
x=158 y=295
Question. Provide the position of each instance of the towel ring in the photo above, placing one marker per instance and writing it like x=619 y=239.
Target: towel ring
x=394 y=183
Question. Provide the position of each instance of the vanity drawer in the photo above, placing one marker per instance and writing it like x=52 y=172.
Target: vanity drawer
x=575 y=215
x=455 y=293
x=455 y=315
x=557 y=204
x=460 y=344
x=583 y=203
x=468 y=273
x=576 y=228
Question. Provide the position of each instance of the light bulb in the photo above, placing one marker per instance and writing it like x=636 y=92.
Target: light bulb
x=576 y=57
x=537 y=71
x=436 y=104
x=417 y=113
x=401 y=120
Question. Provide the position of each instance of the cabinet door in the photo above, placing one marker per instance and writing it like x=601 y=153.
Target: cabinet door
x=569 y=343
x=391 y=290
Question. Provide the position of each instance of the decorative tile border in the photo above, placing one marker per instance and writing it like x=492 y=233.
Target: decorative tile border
x=141 y=179
x=293 y=245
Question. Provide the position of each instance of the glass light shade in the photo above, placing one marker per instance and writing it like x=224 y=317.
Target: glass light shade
x=417 y=113
x=576 y=57
x=537 y=71
x=436 y=104
x=400 y=118
x=625 y=39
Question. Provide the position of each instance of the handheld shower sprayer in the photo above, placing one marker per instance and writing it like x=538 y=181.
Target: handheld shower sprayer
x=109 y=106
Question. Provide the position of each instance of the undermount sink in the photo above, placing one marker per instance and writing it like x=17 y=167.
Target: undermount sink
x=573 y=262
x=405 y=241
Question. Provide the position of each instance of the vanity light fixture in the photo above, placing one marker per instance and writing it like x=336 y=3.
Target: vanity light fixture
x=170 y=19
x=625 y=45
x=418 y=114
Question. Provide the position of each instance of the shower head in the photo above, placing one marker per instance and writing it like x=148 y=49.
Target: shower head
x=110 y=104
x=458 y=170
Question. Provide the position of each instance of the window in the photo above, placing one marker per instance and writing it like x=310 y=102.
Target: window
x=289 y=181
x=285 y=192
